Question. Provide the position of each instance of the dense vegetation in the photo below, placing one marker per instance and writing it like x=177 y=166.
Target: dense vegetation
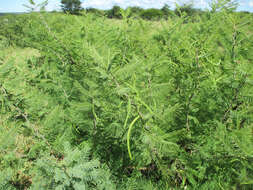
x=88 y=102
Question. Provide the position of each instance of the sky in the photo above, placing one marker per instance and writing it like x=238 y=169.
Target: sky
x=17 y=5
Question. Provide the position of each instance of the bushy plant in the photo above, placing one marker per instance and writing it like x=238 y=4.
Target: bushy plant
x=160 y=104
x=73 y=170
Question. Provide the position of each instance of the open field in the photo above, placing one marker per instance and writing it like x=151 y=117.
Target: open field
x=88 y=102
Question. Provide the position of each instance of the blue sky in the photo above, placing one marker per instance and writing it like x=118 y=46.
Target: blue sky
x=17 y=5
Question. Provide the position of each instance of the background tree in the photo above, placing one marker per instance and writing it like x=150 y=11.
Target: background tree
x=166 y=11
x=95 y=11
x=71 y=6
x=185 y=8
x=114 y=12
x=152 y=14
x=136 y=11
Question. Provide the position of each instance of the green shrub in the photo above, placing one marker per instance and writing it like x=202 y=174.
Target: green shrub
x=160 y=104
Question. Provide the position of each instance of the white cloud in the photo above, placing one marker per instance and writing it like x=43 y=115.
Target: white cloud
x=251 y=3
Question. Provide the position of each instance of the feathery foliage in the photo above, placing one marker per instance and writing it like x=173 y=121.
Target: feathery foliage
x=98 y=103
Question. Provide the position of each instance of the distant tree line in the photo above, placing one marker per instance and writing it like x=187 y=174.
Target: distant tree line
x=148 y=14
x=74 y=7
